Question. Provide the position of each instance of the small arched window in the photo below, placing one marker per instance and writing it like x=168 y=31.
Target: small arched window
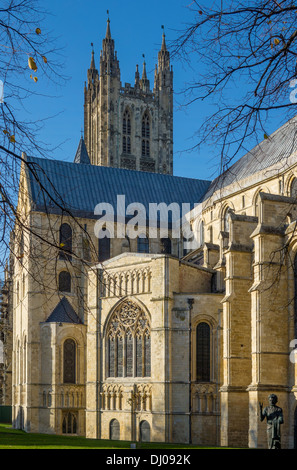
x=143 y=244
x=64 y=281
x=127 y=132
x=203 y=352
x=144 y=432
x=146 y=134
x=114 y=430
x=69 y=362
x=65 y=242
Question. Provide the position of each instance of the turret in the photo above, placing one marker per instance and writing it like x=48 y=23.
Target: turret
x=144 y=82
x=163 y=74
x=109 y=64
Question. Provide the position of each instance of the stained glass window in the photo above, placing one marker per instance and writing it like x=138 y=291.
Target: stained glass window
x=69 y=361
x=129 y=329
x=203 y=352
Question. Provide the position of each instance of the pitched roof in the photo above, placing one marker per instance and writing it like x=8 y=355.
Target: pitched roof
x=79 y=188
x=82 y=155
x=277 y=148
x=63 y=313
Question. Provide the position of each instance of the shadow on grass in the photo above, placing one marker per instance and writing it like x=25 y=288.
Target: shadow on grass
x=15 y=439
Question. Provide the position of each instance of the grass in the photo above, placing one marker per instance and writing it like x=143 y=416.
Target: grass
x=15 y=439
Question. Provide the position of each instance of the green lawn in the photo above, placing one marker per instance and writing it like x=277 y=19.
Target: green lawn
x=15 y=439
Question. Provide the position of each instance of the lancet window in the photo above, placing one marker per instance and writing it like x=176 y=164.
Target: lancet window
x=146 y=134
x=127 y=132
x=203 y=352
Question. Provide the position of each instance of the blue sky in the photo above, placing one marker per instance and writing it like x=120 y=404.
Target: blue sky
x=136 y=29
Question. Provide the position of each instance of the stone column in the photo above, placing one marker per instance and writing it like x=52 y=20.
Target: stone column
x=237 y=333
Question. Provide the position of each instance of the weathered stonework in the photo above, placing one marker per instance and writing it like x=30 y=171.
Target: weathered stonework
x=177 y=347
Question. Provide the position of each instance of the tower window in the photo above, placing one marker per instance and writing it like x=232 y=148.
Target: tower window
x=146 y=134
x=127 y=132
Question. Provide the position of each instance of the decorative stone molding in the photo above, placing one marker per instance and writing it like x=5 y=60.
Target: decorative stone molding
x=204 y=398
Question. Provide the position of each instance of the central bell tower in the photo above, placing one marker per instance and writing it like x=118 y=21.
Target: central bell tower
x=129 y=127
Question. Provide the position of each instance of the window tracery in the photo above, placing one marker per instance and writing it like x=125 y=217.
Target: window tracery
x=129 y=342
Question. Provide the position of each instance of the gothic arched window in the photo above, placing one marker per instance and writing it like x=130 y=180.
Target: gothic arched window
x=203 y=352
x=104 y=247
x=69 y=362
x=114 y=430
x=69 y=425
x=144 y=432
x=146 y=134
x=65 y=242
x=127 y=132
x=64 y=281
x=128 y=342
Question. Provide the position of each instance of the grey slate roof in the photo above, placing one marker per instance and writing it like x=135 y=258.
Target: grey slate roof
x=82 y=155
x=276 y=149
x=79 y=187
x=63 y=313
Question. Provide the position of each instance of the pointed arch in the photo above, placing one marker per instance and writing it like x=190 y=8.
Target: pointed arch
x=145 y=134
x=126 y=131
x=128 y=341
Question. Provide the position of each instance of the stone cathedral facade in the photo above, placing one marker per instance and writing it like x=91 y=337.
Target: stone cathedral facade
x=154 y=338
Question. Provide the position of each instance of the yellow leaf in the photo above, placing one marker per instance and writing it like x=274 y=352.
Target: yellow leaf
x=62 y=244
x=5 y=131
x=32 y=64
x=12 y=139
x=44 y=59
x=38 y=31
x=276 y=41
x=265 y=136
x=35 y=79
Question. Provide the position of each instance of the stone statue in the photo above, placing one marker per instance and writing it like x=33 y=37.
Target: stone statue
x=274 y=417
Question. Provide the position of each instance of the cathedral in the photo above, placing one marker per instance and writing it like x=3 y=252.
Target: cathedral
x=124 y=327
